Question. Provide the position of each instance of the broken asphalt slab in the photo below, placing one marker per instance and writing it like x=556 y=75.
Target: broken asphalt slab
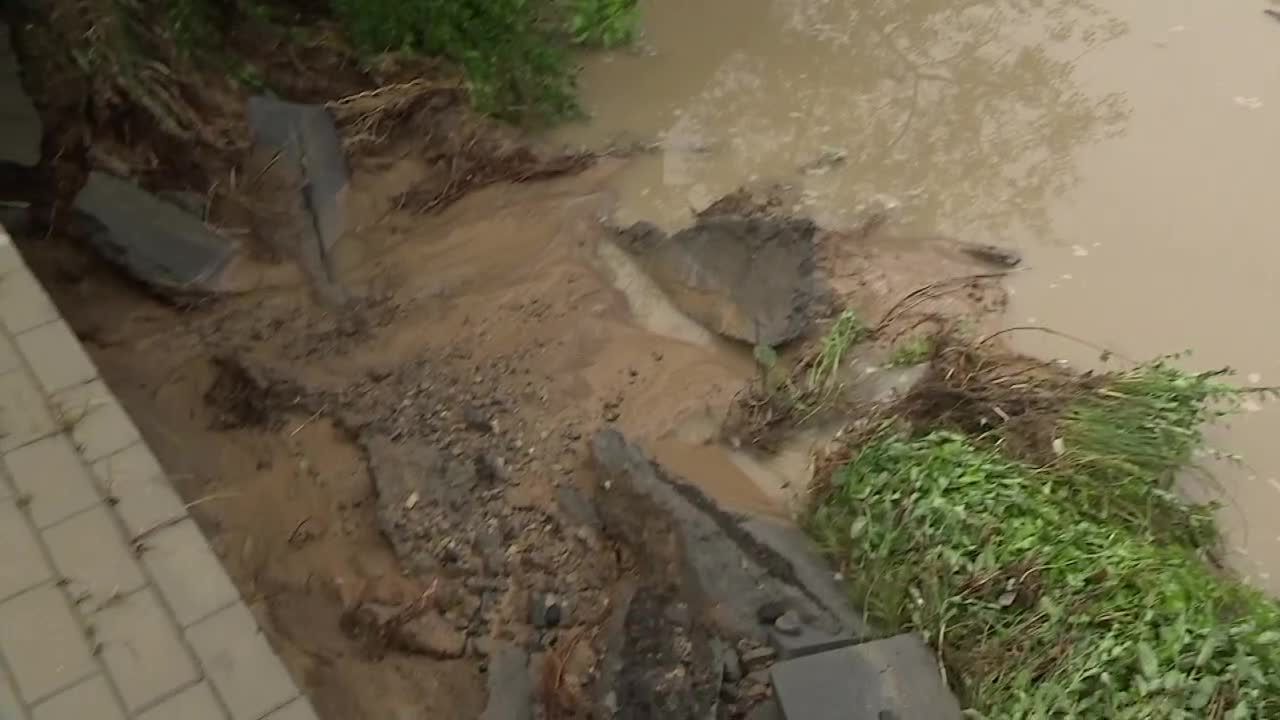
x=154 y=241
x=510 y=685
x=305 y=136
x=790 y=542
x=20 y=126
x=896 y=678
x=752 y=278
x=686 y=535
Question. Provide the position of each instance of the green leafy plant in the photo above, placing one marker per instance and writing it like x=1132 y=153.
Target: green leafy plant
x=1076 y=589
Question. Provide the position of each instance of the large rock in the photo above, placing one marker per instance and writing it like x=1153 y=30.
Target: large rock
x=20 y=127
x=153 y=240
x=750 y=277
x=894 y=678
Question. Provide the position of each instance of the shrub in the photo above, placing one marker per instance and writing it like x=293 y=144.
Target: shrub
x=514 y=52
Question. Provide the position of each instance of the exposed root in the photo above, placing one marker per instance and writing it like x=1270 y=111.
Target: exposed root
x=978 y=388
x=481 y=163
x=368 y=118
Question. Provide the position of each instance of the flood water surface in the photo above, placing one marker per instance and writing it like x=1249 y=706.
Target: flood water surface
x=1129 y=150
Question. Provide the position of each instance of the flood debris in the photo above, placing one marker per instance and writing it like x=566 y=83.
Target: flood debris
x=412 y=627
x=20 y=126
x=751 y=276
x=154 y=241
x=992 y=254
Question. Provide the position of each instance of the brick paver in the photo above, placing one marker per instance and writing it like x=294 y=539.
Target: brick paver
x=10 y=706
x=195 y=703
x=91 y=698
x=112 y=604
x=49 y=474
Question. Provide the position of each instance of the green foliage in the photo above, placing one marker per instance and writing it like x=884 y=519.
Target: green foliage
x=516 y=65
x=1057 y=591
x=193 y=24
x=847 y=331
x=603 y=23
x=514 y=52
x=912 y=352
x=1131 y=435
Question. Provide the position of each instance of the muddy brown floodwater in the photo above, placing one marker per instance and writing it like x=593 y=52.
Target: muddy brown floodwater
x=1128 y=149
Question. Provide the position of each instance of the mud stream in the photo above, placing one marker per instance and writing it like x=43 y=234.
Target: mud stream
x=1126 y=149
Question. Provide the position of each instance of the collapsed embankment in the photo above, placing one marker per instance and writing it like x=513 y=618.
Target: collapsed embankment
x=414 y=430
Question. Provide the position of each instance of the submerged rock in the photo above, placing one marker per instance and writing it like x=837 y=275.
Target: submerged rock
x=155 y=241
x=751 y=277
x=20 y=126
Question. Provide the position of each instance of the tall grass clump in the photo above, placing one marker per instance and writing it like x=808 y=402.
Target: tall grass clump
x=1125 y=441
x=1073 y=588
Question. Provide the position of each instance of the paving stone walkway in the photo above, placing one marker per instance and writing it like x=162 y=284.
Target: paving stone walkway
x=112 y=604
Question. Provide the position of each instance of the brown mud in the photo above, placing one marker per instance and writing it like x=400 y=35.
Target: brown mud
x=402 y=486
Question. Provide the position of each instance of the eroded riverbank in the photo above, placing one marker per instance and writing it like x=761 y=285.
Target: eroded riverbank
x=1133 y=175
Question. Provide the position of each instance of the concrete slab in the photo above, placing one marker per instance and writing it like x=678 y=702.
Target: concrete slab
x=807 y=640
x=790 y=542
x=155 y=241
x=510 y=685
x=896 y=677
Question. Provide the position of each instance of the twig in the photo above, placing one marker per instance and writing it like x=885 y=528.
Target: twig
x=1057 y=333
x=207 y=498
x=309 y=420
x=297 y=528
x=958 y=282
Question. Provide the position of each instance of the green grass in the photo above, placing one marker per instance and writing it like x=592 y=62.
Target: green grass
x=603 y=23
x=847 y=331
x=515 y=52
x=1077 y=589
x=1127 y=440
x=912 y=352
